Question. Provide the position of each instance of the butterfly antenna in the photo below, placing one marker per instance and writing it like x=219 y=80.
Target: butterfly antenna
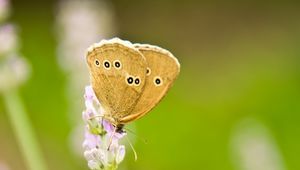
x=133 y=150
x=140 y=138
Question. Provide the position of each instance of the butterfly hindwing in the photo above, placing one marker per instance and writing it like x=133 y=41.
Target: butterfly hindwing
x=162 y=70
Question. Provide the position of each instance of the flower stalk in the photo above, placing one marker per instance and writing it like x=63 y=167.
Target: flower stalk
x=14 y=71
x=23 y=130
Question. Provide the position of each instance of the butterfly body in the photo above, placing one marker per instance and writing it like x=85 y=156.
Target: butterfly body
x=129 y=80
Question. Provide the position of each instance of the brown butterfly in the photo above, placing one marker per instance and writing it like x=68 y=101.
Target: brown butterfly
x=129 y=79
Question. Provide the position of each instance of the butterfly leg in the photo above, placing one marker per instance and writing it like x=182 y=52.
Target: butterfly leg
x=96 y=116
x=111 y=138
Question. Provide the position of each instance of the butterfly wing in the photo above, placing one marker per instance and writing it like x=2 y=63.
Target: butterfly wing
x=163 y=68
x=118 y=74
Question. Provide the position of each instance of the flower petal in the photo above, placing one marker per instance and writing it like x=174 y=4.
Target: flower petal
x=91 y=140
x=120 y=154
x=89 y=93
x=109 y=128
x=94 y=165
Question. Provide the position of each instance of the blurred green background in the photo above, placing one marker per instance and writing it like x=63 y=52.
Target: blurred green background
x=239 y=60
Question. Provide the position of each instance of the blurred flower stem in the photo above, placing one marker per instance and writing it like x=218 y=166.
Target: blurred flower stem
x=23 y=130
x=14 y=71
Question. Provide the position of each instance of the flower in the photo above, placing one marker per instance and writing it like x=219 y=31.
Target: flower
x=8 y=39
x=3 y=166
x=14 y=70
x=79 y=24
x=4 y=9
x=254 y=148
x=101 y=144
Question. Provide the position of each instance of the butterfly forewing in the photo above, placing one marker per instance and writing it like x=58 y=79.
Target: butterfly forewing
x=162 y=70
x=118 y=75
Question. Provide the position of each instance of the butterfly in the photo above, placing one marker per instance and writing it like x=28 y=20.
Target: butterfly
x=129 y=80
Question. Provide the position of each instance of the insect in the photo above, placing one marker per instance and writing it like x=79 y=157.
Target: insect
x=129 y=79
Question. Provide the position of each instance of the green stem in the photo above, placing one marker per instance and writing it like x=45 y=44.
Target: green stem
x=23 y=131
